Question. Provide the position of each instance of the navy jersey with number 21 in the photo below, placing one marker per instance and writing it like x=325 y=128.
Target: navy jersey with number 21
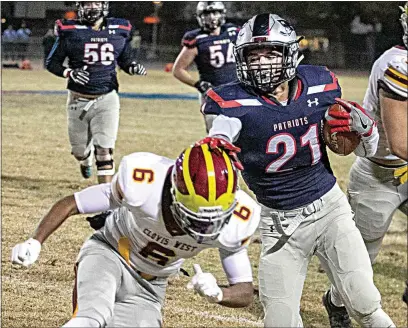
x=282 y=150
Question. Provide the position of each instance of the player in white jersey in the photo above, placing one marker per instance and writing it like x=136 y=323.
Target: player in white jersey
x=377 y=185
x=164 y=212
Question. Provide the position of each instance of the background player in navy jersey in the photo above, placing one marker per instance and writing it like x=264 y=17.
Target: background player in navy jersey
x=211 y=48
x=93 y=44
x=275 y=115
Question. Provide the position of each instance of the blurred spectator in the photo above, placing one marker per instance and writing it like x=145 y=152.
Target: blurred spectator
x=23 y=37
x=366 y=34
x=9 y=38
x=136 y=42
x=359 y=28
x=48 y=42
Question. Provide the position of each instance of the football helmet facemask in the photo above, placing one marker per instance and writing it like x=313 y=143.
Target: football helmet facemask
x=266 y=52
x=204 y=183
x=210 y=15
x=91 y=15
x=404 y=23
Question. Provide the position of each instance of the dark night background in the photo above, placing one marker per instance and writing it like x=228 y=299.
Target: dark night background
x=319 y=22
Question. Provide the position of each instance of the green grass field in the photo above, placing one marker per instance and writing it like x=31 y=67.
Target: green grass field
x=37 y=169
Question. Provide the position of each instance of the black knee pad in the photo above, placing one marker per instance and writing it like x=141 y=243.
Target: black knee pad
x=104 y=161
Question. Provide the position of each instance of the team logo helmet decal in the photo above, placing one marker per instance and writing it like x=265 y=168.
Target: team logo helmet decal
x=204 y=183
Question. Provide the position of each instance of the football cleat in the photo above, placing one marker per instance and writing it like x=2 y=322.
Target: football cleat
x=86 y=171
x=338 y=315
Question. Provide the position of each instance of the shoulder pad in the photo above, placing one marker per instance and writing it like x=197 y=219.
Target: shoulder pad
x=140 y=175
x=63 y=25
x=243 y=222
x=230 y=100
x=395 y=76
x=189 y=39
x=118 y=23
x=319 y=79
x=230 y=27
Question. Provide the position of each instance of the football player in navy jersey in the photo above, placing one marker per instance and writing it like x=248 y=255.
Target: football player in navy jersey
x=93 y=44
x=210 y=47
x=274 y=115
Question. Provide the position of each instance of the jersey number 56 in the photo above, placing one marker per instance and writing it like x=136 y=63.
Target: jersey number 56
x=96 y=52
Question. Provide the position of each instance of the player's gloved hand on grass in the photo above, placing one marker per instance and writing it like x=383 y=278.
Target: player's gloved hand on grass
x=137 y=69
x=203 y=86
x=355 y=119
x=229 y=148
x=400 y=175
x=205 y=285
x=26 y=253
x=79 y=75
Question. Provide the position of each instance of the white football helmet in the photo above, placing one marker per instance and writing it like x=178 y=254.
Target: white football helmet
x=404 y=23
x=267 y=32
x=210 y=15
x=91 y=15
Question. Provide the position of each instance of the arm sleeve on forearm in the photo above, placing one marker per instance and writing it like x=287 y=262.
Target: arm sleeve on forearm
x=55 y=59
x=226 y=126
x=236 y=265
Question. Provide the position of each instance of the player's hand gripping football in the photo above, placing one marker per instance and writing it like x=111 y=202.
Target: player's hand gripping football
x=355 y=119
x=137 y=69
x=228 y=147
x=79 y=75
x=400 y=175
x=203 y=86
x=205 y=285
x=26 y=253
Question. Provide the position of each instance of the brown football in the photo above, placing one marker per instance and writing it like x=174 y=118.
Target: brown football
x=341 y=143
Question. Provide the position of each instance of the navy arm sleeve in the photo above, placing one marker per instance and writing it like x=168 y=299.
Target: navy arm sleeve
x=189 y=39
x=55 y=59
x=126 y=57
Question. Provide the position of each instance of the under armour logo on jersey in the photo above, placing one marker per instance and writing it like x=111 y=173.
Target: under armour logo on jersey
x=315 y=102
x=112 y=32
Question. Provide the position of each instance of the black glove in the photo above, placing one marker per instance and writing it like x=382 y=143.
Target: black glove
x=203 y=86
x=98 y=221
x=137 y=69
x=79 y=75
